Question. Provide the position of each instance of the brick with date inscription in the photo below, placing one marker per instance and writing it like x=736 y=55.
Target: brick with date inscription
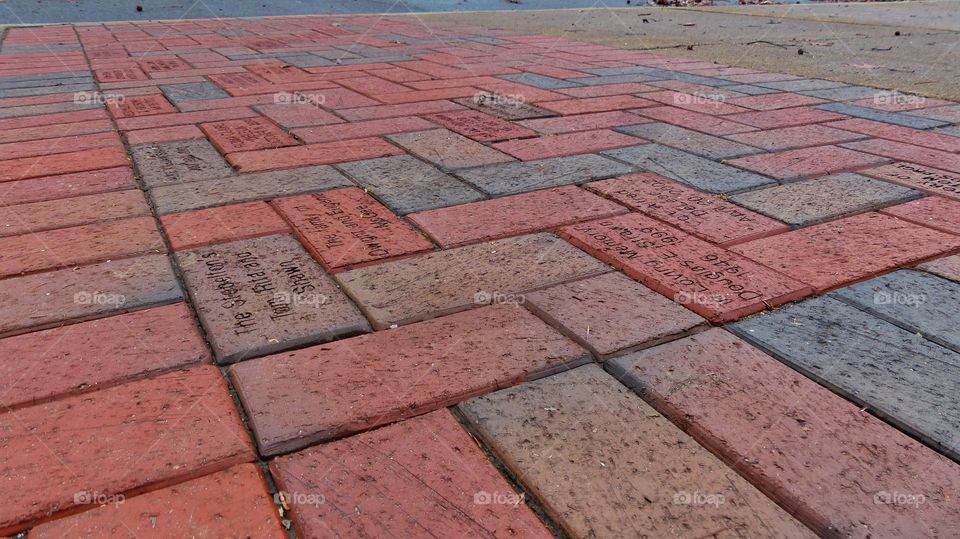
x=346 y=228
x=701 y=214
x=179 y=162
x=707 y=279
x=246 y=134
x=264 y=295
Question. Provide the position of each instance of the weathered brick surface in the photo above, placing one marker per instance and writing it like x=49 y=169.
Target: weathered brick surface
x=312 y=154
x=602 y=463
x=346 y=228
x=709 y=280
x=690 y=141
x=899 y=376
x=806 y=162
x=439 y=283
x=406 y=184
x=62 y=163
x=67 y=212
x=513 y=215
x=234 y=502
x=772 y=423
x=801 y=136
x=706 y=216
x=140 y=105
x=85 y=292
x=179 y=162
x=220 y=225
x=931 y=180
x=79 y=245
x=362 y=129
x=511 y=178
x=947 y=267
x=901 y=151
x=821 y=199
x=832 y=254
x=895 y=132
x=771 y=119
x=595 y=104
x=934 y=212
x=914 y=300
x=612 y=314
x=400 y=475
x=66 y=185
x=479 y=126
x=583 y=122
x=169 y=428
x=693 y=170
x=108 y=351
x=246 y=187
x=246 y=134
x=448 y=150
x=386 y=376
x=262 y=295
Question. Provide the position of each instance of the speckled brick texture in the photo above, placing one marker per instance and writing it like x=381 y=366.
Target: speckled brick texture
x=370 y=276
x=771 y=423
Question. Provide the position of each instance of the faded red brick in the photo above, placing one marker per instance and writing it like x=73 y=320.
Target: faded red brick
x=66 y=212
x=772 y=119
x=705 y=123
x=312 y=154
x=63 y=163
x=66 y=185
x=140 y=105
x=346 y=228
x=916 y=137
x=371 y=128
x=801 y=136
x=595 y=104
x=400 y=475
x=806 y=162
x=848 y=250
x=290 y=115
x=583 y=122
x=567 y=144
x=449 y=150
x=933 y=212
x=513 y=215
x=60 y=454
x=375 y=379
x=901 y=151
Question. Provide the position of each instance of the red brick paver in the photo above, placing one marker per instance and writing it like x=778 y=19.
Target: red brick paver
x=376 y=218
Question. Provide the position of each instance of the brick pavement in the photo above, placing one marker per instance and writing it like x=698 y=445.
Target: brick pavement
x=468 y=283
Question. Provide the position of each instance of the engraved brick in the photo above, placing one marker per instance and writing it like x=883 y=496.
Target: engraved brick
x=262 y=295
x=246 y=134
x=707 y=279
x=346 y=228
x=179 y=162
x=706 y=216
x=924 y=178
x=479 y=126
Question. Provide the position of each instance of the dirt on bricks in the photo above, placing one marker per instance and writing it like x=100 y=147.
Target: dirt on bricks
x=368 y=276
